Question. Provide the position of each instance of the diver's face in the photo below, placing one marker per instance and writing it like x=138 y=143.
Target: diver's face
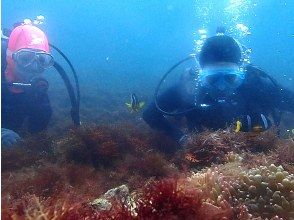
x=26 y=74
x=31 y=63
x=221 y=79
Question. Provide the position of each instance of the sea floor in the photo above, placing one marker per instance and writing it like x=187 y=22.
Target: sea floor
x=123 y=172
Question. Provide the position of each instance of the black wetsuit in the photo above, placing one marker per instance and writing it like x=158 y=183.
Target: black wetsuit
x=16 y=107
x=256 y=99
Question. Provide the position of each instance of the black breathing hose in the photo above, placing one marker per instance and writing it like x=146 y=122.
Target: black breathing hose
x=75 y=99
x=73 y=71
x=74 y=103
x=192 y=56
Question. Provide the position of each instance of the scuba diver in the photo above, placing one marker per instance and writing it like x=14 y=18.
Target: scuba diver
x=25 y=55
x=226 y=93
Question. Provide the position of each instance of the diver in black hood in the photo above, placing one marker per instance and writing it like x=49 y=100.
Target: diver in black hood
x=227 y=92
x=25 y=56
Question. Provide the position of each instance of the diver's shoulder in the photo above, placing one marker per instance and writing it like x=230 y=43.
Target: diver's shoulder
x=255 y=74
x=256 y=77
x=254 y=71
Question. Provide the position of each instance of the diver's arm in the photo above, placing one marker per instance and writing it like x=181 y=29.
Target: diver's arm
x=4 y=45
x=156 y=120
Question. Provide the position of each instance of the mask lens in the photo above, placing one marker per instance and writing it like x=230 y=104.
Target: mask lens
x=212 y=79
x=230 y=78
x=24 y=58
x=45 y=60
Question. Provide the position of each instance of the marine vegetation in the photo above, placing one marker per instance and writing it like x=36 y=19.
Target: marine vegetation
x=122 y=172
x=213 y=147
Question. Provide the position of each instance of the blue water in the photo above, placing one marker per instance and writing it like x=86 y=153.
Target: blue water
x=126 y=46
x=119 y=40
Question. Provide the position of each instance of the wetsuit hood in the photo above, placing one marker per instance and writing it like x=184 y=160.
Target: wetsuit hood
x=220 y=48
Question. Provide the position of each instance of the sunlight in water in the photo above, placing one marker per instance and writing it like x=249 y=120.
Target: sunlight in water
x=233 y=15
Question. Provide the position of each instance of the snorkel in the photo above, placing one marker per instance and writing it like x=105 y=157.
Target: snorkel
x=41 y=83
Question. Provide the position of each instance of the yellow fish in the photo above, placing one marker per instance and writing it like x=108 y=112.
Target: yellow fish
x=135 y=105
x=238 y=126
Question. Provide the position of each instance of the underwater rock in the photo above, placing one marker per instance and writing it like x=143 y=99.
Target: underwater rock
x=101 y=204
x=119 y=194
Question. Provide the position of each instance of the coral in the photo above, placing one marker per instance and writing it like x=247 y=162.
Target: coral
x=267 y=191
x=216 y=185
x=210 y=182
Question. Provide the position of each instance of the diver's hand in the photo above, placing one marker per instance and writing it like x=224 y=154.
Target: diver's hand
x=9 y=137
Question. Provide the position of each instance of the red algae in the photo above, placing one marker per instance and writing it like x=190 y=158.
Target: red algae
x=50 y=178
x=164 y=200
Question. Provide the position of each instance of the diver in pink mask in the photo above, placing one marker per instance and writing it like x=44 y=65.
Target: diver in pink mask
x=25 y=57
x=24 y=89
